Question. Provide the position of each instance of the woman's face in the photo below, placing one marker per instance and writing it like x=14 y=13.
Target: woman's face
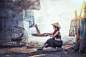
x=54 y=27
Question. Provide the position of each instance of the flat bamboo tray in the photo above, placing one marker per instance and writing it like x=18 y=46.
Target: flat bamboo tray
x=41 y=35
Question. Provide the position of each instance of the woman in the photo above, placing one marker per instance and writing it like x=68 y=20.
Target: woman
x=55 y=41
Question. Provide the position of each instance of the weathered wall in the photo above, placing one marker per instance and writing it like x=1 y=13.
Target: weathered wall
x=9 y=14
x=13 y=15
x=12 y=20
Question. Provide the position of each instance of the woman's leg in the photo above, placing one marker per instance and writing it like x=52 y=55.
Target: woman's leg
x=48 y=42
x=56 y=44
x=53 y=43
x=41 y=48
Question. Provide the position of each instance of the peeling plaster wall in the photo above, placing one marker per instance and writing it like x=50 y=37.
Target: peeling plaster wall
x=12 y=20
x=14 y=13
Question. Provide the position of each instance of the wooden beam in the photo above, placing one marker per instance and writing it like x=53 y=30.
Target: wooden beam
x=37 y=29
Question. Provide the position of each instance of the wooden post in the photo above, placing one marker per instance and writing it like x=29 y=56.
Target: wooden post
x=75 y=14
x=78 y=34
x=85 y=9
x=37 y=29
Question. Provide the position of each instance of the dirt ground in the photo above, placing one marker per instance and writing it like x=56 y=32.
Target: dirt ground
x=30 y=51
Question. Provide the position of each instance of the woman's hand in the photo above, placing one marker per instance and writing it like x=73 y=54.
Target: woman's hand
x=50 y=35
x=45 y=35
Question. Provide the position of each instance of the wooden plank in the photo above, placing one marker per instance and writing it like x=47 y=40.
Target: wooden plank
x=78 y=34
x=37 y=29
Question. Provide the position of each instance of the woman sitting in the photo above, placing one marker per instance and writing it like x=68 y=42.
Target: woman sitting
x=55 y=41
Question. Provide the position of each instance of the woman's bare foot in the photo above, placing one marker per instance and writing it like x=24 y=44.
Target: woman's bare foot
x=40 y=48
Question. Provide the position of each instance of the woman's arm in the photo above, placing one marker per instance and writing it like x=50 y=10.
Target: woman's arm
x=54 y=34
x=46 y=34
